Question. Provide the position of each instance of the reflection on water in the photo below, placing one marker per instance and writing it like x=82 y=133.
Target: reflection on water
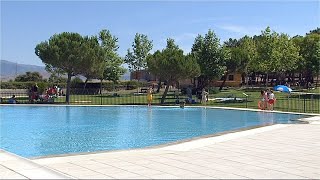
x=266 y=118
x=203 y=117
x=149 y=117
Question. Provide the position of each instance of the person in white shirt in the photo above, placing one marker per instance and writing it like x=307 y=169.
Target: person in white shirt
x=204 y=96
x=271 y=100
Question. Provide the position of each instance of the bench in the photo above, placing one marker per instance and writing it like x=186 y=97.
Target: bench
x=143 y=90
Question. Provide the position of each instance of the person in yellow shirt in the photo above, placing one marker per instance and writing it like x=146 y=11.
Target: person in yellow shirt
x=149 y=96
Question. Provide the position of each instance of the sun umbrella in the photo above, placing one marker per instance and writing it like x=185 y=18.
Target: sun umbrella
x=282 y=88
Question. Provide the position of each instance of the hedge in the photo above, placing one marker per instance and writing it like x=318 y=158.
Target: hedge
x=105 y=85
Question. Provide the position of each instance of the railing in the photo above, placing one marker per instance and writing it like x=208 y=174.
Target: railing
x=294 y=102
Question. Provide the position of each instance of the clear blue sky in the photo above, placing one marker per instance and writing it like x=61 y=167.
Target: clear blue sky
x=24 y=24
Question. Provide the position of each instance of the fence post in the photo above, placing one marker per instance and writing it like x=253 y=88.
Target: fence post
x=299 y=106
x=288 y=103
x=311 y=99
x=246 y=99
x=101 y=92
x=246 y=102
x=304 y=103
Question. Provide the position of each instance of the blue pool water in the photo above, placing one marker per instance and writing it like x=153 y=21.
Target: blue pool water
x=32 y=131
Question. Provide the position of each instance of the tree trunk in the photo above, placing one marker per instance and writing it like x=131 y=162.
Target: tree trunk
x=68 y=88
x=159 y=86
x=308 y=78
x=138 y=78
x=202 y=82
x=194 y=82
x=85 y=84
x=224 y=80
x=243 y=79
x=165 y=93
x=101 y=86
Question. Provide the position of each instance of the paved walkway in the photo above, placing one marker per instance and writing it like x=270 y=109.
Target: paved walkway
x=15 y=167
x=273 y=152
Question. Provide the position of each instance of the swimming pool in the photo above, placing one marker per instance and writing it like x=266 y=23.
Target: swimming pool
x=33 y=131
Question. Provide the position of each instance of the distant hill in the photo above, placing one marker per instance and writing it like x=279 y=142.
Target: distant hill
x=9 y=70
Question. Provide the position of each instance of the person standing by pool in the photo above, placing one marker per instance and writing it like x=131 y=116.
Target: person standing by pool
x=204 y=95
x=189 y=94
x=35 y=94
x=264 y=100
x=149 y=96
x=271 y=100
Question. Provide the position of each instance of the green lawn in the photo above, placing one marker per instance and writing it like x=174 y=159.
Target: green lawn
x=294 y=102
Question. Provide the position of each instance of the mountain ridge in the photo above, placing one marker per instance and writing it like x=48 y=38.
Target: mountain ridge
x=10 y=70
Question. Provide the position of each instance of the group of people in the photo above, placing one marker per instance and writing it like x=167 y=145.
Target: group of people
x=203 y=96
x=267 y=99
x=49 y=94
x=33 y=93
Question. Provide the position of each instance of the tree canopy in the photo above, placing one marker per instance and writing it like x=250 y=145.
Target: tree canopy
x=171 y=65
x=310 y=53
x=74 y=54
x=29 y=76
x=96 y=57
x=208 y=52
x=112 y=69
x=137 y=58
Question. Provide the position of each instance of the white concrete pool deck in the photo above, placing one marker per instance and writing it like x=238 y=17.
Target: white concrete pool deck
x=15 y=167
x=283 y=151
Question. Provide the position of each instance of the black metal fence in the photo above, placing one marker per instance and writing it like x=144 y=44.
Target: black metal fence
x=294 y=102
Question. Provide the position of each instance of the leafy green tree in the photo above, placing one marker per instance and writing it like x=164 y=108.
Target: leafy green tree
x=316 y=57
x=56 y=75
x=230 y=57
x=301 y=64
x=265 y=45
x=76 y=80
x=137 y=58
x=171 y=65
x=315 y=31
x=275 y=53
x=68 y=52
x=112 y=69
x=94 y=58
x=209 y=55
x=246 y=53
x=29 y=76
x=238 y=55
x=288 y=55
x=310 y=54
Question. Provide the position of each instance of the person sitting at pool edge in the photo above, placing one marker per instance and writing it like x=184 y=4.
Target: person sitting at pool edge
x=12 y=100
x=182 y=104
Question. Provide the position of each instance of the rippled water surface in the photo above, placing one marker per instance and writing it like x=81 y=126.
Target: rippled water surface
x=32 y=131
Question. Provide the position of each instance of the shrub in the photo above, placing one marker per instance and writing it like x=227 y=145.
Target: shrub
x=214 y=90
